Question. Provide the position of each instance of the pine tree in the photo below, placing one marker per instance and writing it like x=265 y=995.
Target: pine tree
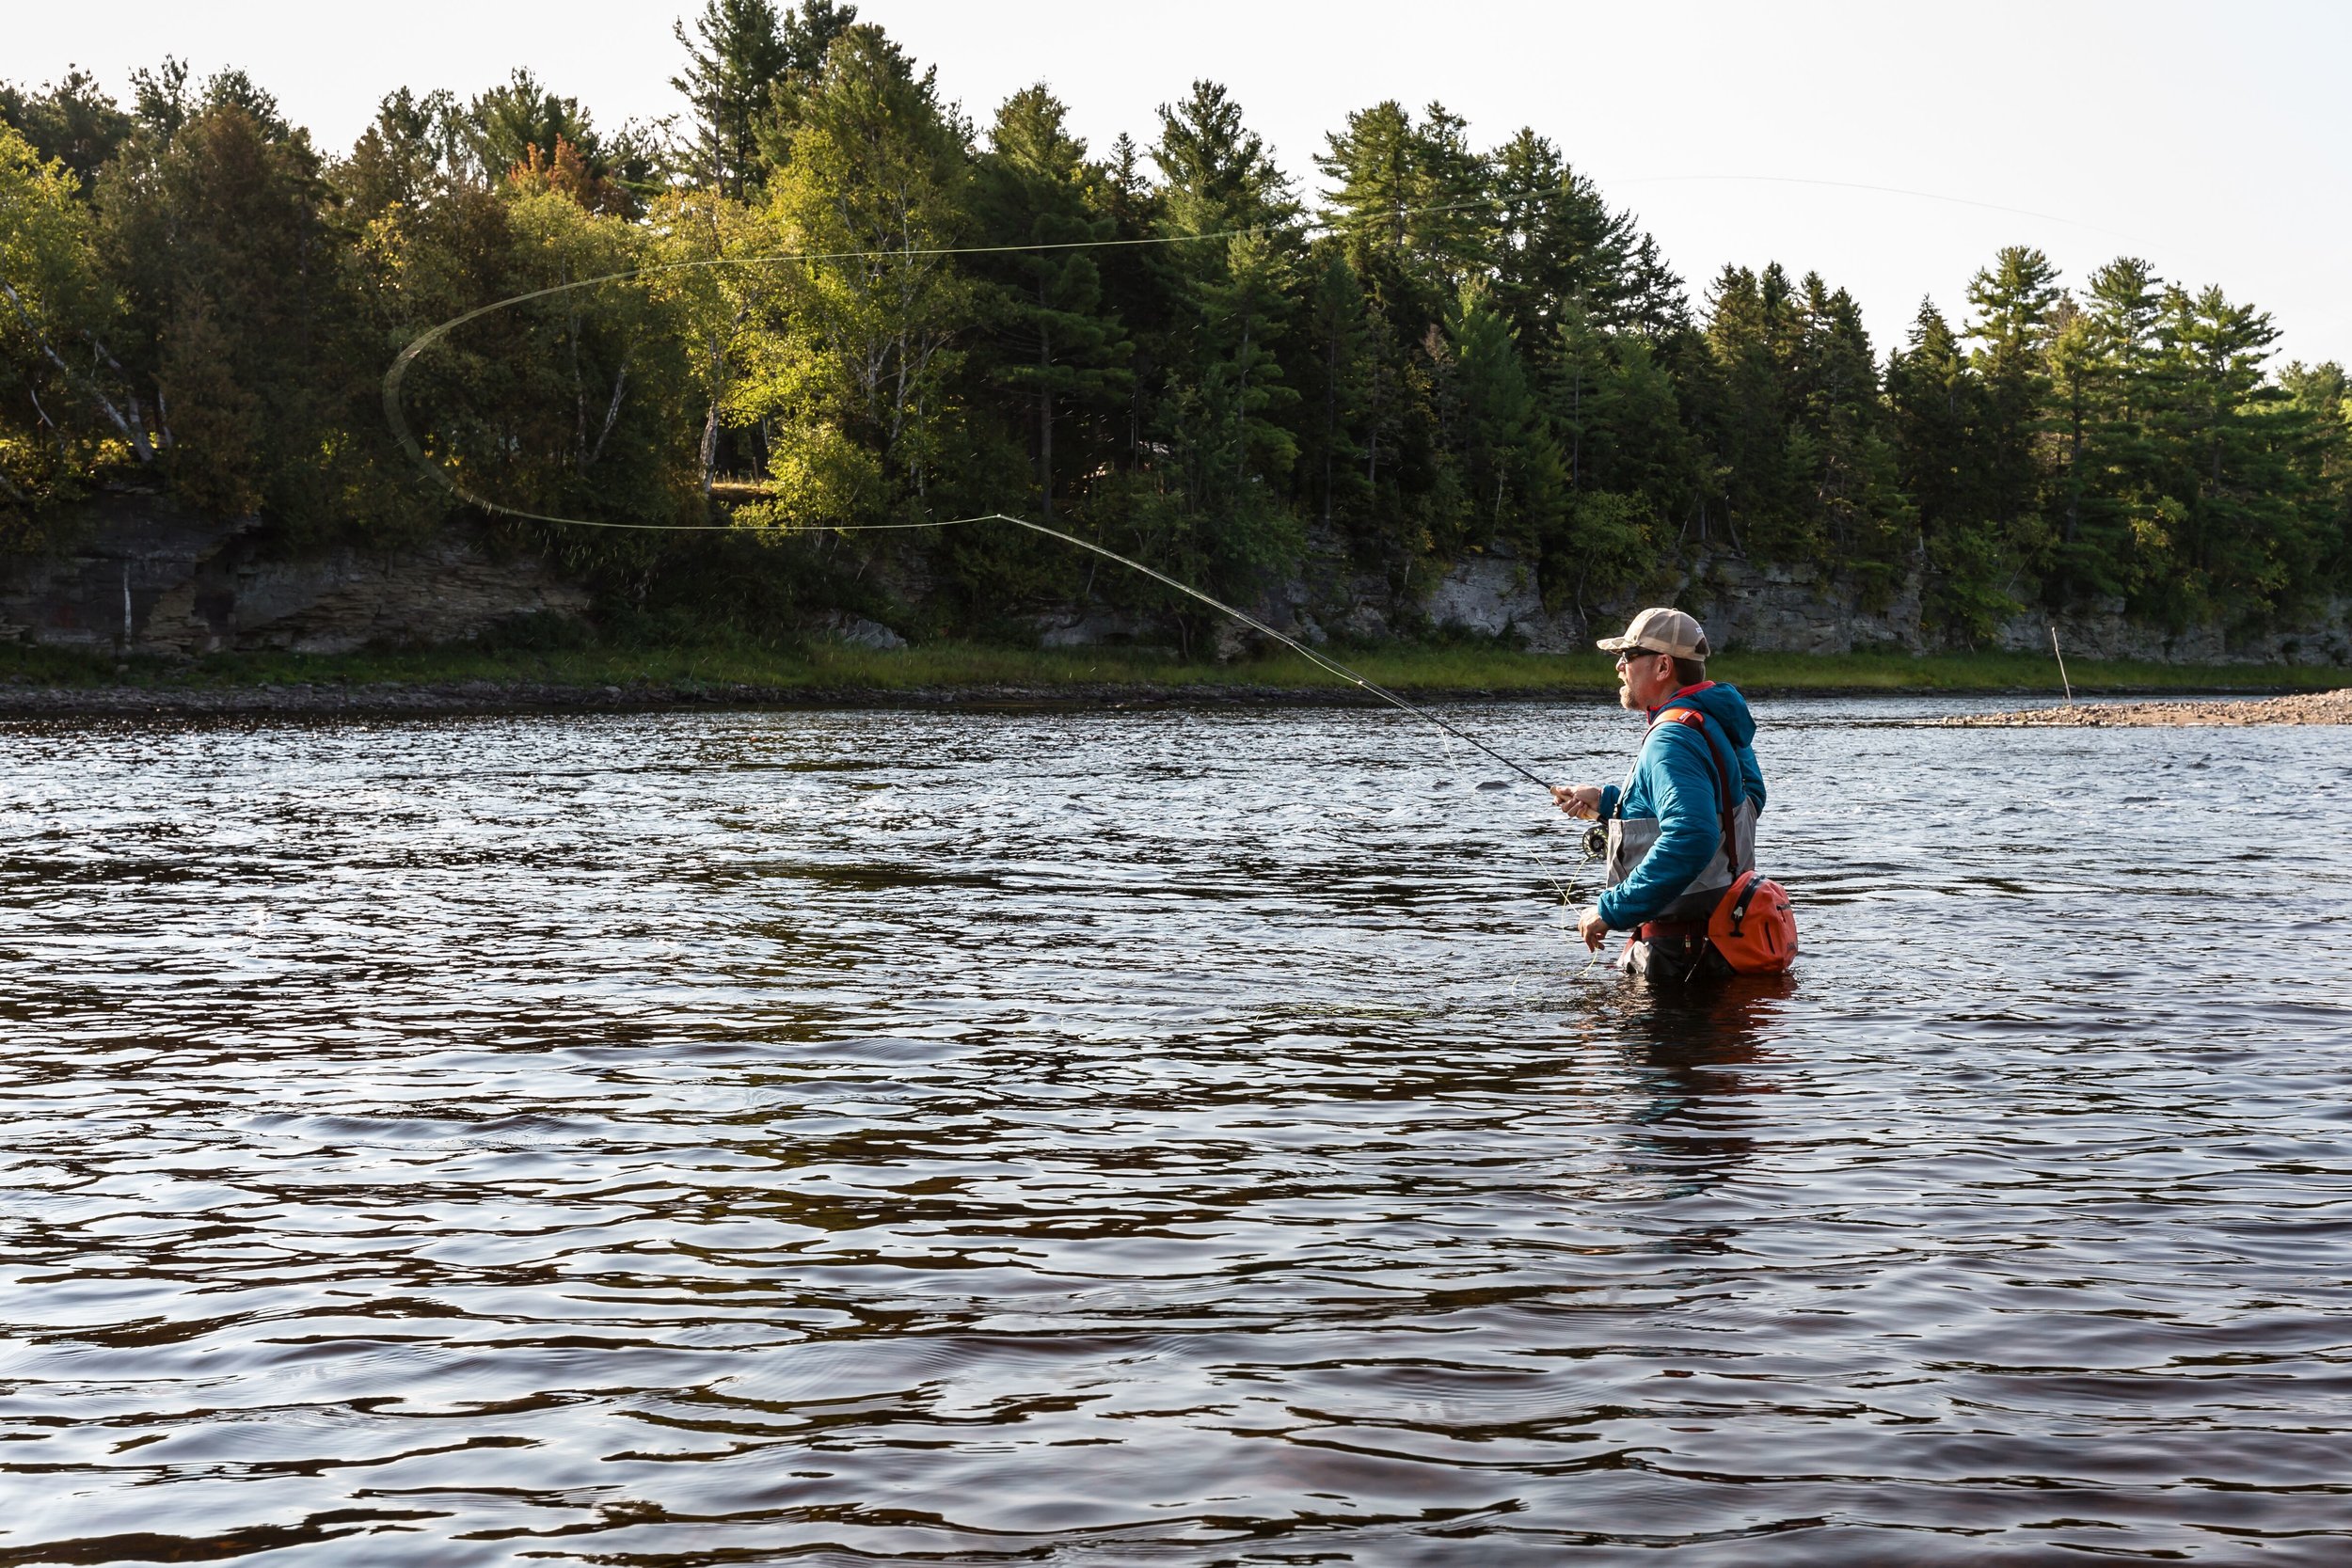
x=1627 y=462
x=2113 y=490
x=1228 y=302
x=1234 y=454
x=1060 y=347
x=1937 y=407
x=1862 y=510
x=1409 y=202
x=72 y=121
x=1579 y=372
x=808 y=35
x=1134 y=286
x=233 y=89
x=2230 y=442
x=1216 y=175
x=2320 y=398
x=1335 y=388
x=730 y=75
x=507 y=121
x=1745 y=400
x=413 y=150
x=809 y=32
x=161 y=100
x=2016 y=300
x=1413 y=195
x=1513 y=471
x=1556 y=242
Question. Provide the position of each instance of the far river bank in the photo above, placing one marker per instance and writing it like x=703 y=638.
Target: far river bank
x=470 y=679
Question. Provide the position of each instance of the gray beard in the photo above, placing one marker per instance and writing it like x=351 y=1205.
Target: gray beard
x=1625 y=697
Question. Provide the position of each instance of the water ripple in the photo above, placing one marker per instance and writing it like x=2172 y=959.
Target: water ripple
x=1158 y=1137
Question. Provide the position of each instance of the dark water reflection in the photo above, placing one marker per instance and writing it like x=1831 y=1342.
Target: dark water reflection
x=1159 y=1137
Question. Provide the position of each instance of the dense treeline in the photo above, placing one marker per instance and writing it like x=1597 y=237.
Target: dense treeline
x=1168 y=345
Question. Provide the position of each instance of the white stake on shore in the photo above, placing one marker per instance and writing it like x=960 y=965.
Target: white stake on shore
x=2062 y=658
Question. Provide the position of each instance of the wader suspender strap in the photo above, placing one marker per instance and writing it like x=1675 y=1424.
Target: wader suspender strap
x=1698 y=720
x=1723 y=786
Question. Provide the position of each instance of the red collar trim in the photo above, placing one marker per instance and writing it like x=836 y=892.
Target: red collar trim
x=1686 y=692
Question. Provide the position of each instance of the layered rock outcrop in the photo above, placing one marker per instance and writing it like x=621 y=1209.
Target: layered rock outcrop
x=1765 y=608
x=145 y=576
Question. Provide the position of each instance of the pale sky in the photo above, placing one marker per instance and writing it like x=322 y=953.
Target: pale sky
x=2206 y=138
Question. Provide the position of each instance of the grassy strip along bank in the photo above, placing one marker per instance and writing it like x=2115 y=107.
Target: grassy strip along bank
x=50 y=680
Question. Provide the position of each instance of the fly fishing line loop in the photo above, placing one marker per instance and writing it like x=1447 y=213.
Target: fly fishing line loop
x=395 y=416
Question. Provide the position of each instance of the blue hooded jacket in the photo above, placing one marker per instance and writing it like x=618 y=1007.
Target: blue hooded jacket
x=1673 y=780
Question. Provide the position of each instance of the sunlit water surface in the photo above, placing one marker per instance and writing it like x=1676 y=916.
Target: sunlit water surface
x=1160 y=1137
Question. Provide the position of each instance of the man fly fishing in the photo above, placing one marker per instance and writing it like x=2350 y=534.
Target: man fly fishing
x=1681 y=829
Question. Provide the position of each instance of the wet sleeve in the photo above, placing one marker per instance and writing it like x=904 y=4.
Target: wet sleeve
x=1688 y=832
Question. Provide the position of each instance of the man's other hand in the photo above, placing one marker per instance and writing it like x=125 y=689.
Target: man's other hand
x=1578 y=799
x=1594 y=929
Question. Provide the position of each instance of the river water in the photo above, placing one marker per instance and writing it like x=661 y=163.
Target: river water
x=1162 y=1136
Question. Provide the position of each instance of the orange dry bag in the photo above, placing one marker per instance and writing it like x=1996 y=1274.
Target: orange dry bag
x=1754 y=928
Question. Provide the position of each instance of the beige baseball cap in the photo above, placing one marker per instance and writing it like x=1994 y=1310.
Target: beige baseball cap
x=1660 y=631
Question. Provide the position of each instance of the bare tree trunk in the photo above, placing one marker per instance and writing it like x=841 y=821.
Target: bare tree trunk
x=131 y=402
x=709 y=450
x=132 y=431
x=612 y=412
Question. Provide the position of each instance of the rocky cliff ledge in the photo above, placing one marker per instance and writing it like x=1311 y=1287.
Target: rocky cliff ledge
x=1762 y=608
x=146 y=576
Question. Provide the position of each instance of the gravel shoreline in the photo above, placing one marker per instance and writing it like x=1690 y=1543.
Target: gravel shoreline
x=2320 y=707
